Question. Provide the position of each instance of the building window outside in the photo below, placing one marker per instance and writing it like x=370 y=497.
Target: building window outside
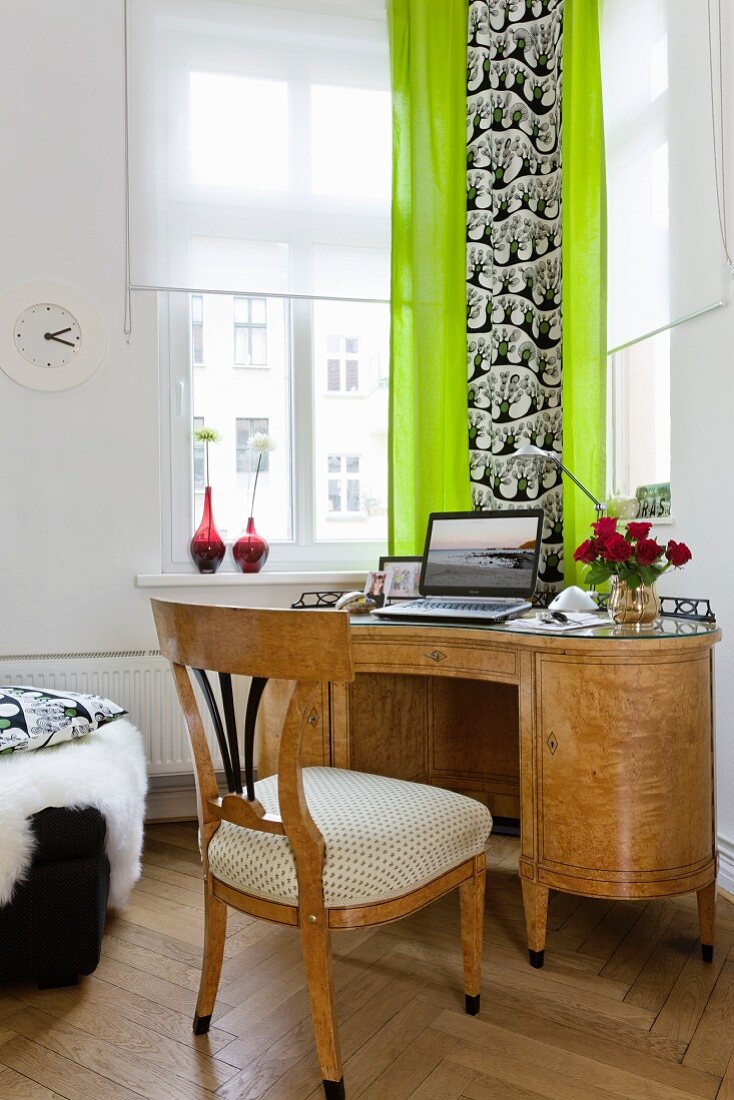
x=246 y=427
x=197 y=329
x=343 y=483
x=199 y=484
x=250 y=332
x=342 y=364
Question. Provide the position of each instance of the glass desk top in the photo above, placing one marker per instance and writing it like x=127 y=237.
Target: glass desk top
x=665 y=627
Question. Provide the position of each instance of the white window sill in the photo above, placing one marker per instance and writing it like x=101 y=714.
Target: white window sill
x=316 y=581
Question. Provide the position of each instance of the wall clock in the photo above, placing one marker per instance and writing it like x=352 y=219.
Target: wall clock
x=51 y=336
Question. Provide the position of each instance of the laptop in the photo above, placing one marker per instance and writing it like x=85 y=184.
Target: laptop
x=477 y=566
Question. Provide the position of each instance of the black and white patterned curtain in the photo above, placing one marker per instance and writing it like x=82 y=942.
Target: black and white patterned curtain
x=514 y=63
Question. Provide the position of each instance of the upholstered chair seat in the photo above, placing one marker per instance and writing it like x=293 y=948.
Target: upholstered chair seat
x=384 y=838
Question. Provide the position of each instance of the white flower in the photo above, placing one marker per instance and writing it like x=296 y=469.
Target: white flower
x=260 y=443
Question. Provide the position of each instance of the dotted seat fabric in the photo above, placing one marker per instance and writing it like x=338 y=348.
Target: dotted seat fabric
x=384 y=838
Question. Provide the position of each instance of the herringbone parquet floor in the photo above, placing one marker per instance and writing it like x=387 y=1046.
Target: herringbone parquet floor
x=623 y=1008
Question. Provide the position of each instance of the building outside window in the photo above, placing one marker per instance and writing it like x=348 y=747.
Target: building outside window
x=197 y=329
x=342 y=364
x=246 y=427
x=343 y=483
x=199 y=458
x=250 y=332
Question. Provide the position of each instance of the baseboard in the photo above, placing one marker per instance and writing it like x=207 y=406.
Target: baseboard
x=173 y=797
x=725 y=877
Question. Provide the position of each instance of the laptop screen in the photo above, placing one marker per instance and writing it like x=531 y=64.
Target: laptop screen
x=482 y=553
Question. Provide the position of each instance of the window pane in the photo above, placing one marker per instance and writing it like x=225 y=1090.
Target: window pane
x=197 y=344
x=258 y=344
x=352 y=495
x=335 y=464
x=241 y=348
x=332 y=343
x=352 y=376
x=263 y=400
x=257 y=310
x=199 y=477
x=335 y=495
x=197 y=309
x=359 y=162
x=352 y=427
x=351 y=346
x=239 y=129
x=241 y=311
x=333 y=369
x=640 y=415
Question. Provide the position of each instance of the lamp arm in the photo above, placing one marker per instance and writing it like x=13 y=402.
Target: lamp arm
x=598 y=504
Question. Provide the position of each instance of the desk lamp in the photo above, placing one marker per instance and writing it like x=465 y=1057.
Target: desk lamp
x=532 y=452
x=573 y=598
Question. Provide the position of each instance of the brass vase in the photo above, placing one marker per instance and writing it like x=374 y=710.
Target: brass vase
x=633 y=608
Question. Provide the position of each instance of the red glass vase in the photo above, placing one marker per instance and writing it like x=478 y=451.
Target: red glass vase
x=207 y=549
x=251 y=550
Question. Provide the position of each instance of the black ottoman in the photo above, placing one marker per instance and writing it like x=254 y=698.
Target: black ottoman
x=52 y=930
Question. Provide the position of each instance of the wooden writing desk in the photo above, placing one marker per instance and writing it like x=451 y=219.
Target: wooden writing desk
x=601 y=742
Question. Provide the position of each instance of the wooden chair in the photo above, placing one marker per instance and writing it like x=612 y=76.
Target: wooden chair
x=317 y=848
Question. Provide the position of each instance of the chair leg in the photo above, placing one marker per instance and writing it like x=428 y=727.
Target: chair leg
x=316 y=948
x=215 y=931
x=471 y=894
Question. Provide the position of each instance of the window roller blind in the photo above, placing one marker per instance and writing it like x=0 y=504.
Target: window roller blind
x=255 y=164
x=664 y=252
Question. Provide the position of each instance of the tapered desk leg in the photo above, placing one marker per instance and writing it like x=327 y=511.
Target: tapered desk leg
x=535 y=900
x=706 y=919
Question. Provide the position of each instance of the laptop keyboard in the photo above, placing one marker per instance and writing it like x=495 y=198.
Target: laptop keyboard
x=464 y=605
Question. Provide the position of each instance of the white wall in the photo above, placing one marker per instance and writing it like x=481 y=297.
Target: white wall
x=79 y=495
x=79 y=471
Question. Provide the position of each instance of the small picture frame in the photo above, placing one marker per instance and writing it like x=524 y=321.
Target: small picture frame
x=404 y=574
x=377 y=586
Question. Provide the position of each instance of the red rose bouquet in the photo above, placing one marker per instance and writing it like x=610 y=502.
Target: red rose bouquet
x=633 y=556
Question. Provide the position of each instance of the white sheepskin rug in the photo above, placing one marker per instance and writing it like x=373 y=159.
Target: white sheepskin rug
x=105 y=769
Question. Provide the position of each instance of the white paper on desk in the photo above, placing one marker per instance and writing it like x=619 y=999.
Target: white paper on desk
x=577 y=620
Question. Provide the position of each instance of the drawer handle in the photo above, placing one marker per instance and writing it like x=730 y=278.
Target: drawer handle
x=436 y=655
x=313 y=718
x=552 y=742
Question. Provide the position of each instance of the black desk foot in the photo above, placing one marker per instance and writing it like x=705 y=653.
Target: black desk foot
x=201 y=1024
x=537 y=958
x=707 y=952
x=472 y=1004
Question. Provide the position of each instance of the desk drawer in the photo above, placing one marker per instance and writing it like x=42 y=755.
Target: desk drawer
x=431 y=657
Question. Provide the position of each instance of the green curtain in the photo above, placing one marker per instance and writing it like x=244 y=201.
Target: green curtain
x=428 y=432
x=584 y=274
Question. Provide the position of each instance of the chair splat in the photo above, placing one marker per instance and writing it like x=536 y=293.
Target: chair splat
x=226 y=731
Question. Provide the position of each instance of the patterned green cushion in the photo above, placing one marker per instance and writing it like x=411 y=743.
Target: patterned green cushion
x=33 y=718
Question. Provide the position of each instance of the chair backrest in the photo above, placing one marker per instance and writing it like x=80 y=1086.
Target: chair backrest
x=306 y=648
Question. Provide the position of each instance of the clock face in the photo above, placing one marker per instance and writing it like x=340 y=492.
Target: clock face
x=47 y=335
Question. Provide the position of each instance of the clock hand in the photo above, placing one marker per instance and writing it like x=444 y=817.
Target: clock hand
x=59 y=332
x=58 y=340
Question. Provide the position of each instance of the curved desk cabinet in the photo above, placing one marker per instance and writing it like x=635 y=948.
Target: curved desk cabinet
x=600 y=741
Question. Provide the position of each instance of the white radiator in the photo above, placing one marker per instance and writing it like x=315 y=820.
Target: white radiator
x=139 y=680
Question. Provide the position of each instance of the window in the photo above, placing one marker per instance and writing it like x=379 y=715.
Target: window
x=284 y=232
x=199 y=459
x=639 y=415
x=342 y=364
x=197 y=329
x=250 y=332
x=343 y=485
x=247 y=427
